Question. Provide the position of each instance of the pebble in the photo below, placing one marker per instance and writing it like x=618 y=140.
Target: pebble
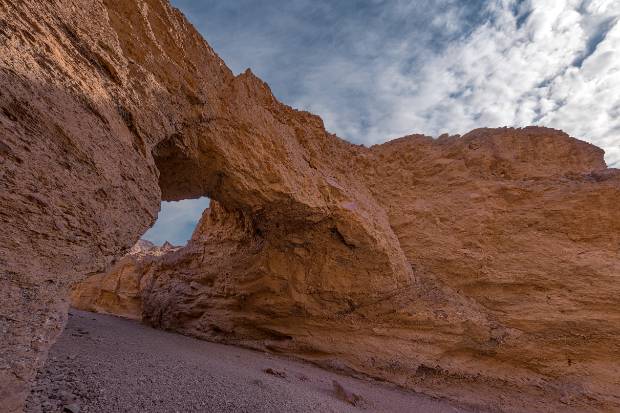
x=71 y=408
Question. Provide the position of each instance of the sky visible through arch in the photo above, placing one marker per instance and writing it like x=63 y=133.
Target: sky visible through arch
x=375 y=70
x=176 y=221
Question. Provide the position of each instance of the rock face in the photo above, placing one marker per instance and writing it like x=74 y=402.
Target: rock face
x=118 y=291
x=513 y=240
x=482 y=268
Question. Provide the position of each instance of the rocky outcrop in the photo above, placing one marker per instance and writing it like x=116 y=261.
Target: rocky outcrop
x=480 y=268
x=513 y=240
x=118 y=291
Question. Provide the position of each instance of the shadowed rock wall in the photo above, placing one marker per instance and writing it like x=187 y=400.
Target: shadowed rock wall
x=106 y=108
x=453 y=266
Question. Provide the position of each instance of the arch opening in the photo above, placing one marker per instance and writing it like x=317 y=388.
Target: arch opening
x=176 y=221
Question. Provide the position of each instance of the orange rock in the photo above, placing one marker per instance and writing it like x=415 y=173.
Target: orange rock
x=481 y=268
x=118 y=291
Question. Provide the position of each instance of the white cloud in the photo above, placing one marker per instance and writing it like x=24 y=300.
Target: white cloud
x=559 y=67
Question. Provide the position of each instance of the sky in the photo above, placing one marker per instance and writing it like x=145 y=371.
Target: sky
x=375 y=70
x=176 y=221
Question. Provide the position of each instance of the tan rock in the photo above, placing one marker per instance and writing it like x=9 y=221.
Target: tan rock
x=118 y=291
x=481 y=268
x=514 y=288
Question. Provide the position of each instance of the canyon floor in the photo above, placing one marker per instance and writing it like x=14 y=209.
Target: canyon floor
x=103 y=363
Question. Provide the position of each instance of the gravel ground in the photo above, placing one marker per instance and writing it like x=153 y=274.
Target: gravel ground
x=104 y=364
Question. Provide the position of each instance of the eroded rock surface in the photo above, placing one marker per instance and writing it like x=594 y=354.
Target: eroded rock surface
x=513 y=238
x=118 y=291
x=481 y=268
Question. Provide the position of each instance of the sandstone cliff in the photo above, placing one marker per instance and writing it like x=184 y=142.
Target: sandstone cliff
x=481 y=268
x=513 y=241
x=118 y=290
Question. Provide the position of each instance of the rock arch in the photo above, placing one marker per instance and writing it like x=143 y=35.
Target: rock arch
x=90 y=91
x=417 y=253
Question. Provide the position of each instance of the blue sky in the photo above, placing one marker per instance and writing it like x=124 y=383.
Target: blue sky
x=375 y=70
x=176 y=221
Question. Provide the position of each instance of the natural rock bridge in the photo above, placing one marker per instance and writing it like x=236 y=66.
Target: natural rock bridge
x=483 y=268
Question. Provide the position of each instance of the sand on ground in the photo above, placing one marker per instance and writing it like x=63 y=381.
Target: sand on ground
x=103 y=363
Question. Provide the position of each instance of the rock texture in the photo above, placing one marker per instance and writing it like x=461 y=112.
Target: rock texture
x=482 y=268
x=118 y=291
x=514 y=242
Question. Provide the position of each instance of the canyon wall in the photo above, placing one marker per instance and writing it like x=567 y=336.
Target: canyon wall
x=479 y=268
x=513 y=237
x=108 y=107
x=118 y=291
